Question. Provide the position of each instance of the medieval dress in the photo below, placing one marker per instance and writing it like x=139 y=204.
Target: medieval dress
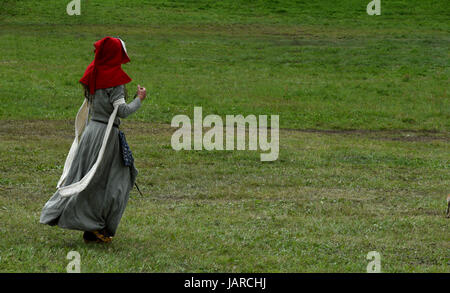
x=93 y=192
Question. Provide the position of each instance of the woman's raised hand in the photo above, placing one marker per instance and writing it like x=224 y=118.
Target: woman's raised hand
x=141 y=92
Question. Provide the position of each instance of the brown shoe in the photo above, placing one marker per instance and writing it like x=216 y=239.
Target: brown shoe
x=96 y=237
x=89 y=237
x=102 y=237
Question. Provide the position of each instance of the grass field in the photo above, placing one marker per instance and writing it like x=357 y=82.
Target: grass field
x=364 y=145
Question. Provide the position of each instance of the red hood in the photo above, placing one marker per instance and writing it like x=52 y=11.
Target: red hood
x=106 y=69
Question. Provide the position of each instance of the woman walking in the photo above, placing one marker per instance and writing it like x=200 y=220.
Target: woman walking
x=99 y=171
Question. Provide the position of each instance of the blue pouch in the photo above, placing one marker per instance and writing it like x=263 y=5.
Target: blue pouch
x=127 y=155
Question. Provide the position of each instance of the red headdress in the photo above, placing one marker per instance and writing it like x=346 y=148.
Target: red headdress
x=106 y=69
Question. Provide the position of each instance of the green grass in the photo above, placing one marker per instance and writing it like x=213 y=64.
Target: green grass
x=327 y=202
x=337 y=76
x=364 y=151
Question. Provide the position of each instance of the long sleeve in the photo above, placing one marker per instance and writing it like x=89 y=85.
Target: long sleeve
x=127 y=109
x=124 y=110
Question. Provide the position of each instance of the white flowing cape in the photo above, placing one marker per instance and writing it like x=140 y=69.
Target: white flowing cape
x=80 y=124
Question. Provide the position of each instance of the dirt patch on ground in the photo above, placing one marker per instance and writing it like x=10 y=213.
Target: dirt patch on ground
x=396 y=135
x=18 y=128
x=65 y=129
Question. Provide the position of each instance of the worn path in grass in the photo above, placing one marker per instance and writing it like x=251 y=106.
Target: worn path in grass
x=329 y=200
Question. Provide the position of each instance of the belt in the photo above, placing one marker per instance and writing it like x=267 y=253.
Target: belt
x=115 y=125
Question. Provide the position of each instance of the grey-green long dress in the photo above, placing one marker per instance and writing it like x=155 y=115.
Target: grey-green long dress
x=102 y=203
